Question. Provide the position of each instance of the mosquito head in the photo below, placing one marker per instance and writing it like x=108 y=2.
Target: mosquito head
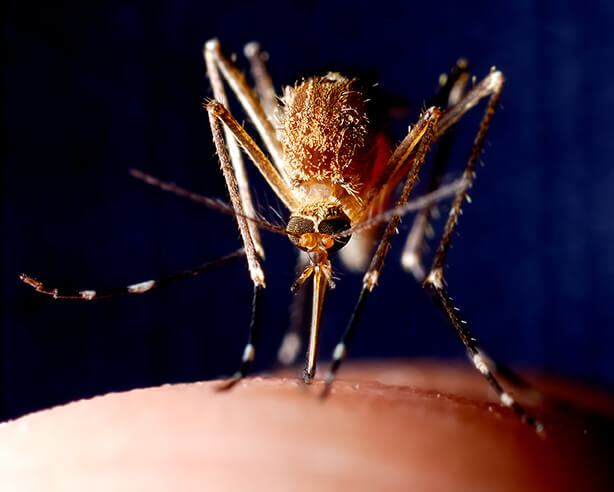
x=313 y=232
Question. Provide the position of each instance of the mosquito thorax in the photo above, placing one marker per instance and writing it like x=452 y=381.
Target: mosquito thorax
x=324 y=132
x=314 y=228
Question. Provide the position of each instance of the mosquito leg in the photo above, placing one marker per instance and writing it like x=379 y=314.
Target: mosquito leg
x=509 y=376
x=236 y=158
x=434 y=282
x=264 y=85
x=377 y=262
x=255 y=270
x=276 y=182
x=252 y=340
x=411 y=258
x=451 y=90
x=253 y=262
x=138 y=288
x=372 y=275
x=216 y=63
x=451 y=94
x=496 y=85
x=489 y=85
x=217 y=67
x=442 y=299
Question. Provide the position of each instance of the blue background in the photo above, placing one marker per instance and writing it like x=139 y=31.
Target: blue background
x=93 y=89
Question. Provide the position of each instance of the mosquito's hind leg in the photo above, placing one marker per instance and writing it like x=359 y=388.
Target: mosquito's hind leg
x=451 y=89
x=138 y=288
x=477 y=356
x=434 y=282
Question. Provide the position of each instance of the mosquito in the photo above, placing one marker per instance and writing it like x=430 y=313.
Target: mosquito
x=336 y=173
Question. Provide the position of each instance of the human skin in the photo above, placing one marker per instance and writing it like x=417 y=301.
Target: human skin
x=422 y=427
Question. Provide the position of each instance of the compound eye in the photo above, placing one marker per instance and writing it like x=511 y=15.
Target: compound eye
x=297 y=226
x=335 y=226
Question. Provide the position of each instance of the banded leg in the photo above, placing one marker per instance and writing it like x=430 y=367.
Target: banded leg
x=237 y=135
x=255 y=270
x=249 y=351
x=421 y=134
x=138 y=288
x=450 y=93
x=443 y=301
x=451 y=89
x=434 y=282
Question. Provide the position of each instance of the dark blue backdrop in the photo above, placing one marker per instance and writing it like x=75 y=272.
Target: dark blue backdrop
x=91 y=90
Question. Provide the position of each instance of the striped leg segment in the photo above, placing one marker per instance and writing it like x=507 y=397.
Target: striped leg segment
x=249 y=351
x=296 y=336
x=442 y=299
x=341 y=348
x=138 y=288
x=240 y=197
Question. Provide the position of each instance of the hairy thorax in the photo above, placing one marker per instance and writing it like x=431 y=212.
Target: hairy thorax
x=330 y=150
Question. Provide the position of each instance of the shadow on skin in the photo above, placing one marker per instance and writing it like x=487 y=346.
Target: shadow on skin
x=385 y=426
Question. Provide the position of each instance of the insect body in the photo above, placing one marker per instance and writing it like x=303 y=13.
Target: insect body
x=332 y=161
x=335 y=172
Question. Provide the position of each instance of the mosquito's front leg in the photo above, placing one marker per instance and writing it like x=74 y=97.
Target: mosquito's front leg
x=255 y=270
x=276 y=182
x=236 y=158
x=218 y=113
x=422 y=134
